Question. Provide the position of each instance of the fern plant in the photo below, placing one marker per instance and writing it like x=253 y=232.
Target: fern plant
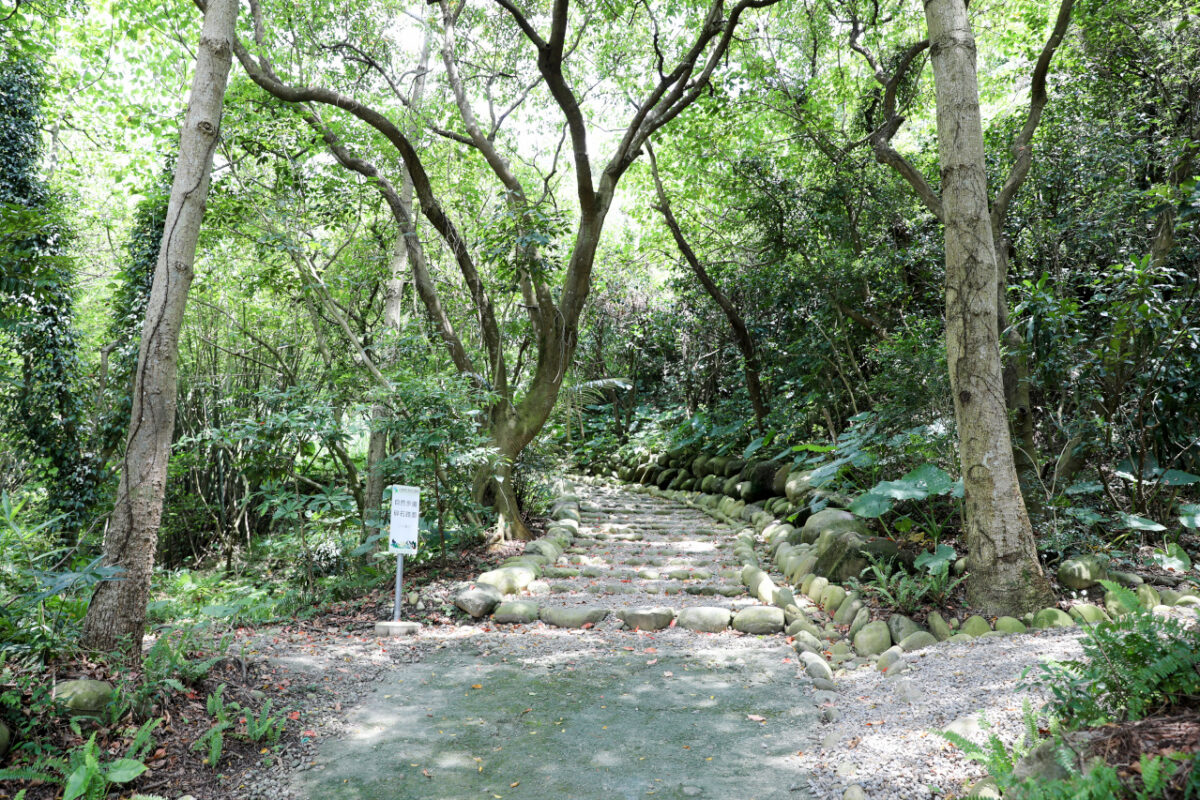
x=213 y=740
x=262 y=727
x=1132 y=667
x=997 y=758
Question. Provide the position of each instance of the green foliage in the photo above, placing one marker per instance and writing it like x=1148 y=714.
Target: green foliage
x=1102 y=782
x=89 y=777
x=262 y=726
x=896 y=588
x=131 y=292
x=916 y=490
x=39 y=369
x=41 y=603
x=258 y=727
x=1134 y=666
x=999 y=759
x=170 y=665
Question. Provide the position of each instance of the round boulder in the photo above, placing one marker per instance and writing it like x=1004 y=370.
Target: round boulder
x=704 y=619
x=516 y=612
x=759 y=620
x=478 y=601
x=1082 y=572
x=84 y=696
x=646 y=619
x=872 y=639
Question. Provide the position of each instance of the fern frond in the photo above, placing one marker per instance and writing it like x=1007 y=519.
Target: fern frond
x=25 y=774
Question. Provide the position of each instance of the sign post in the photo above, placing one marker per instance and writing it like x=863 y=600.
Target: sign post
x=403 y=534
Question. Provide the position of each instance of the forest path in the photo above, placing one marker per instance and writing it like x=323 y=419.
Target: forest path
x=538 y=712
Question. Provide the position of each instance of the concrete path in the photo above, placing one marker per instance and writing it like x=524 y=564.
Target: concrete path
x=536 y=712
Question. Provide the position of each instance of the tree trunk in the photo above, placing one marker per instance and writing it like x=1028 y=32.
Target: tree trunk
x=1016 y=390
x=377 y=449
x=116 y=616
x=741 y=334
x=393 y=318
x=1006 y=577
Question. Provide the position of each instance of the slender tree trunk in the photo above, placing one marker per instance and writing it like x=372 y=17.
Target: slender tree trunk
x=393 y=314
x=117 y=614
x=377 y=449
x=741 y=334
x=1005 y=574
x=1016 y=390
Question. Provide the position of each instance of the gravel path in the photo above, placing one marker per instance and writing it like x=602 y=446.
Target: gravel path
x=883 y=737
x=711 y=714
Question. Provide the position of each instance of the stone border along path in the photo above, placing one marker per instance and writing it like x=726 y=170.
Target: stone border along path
x=832 y=542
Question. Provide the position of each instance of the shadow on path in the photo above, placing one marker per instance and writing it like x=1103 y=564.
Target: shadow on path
x=616 y=724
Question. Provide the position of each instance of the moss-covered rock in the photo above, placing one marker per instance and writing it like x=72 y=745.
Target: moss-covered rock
x=759 y=620
x=1082 y=572
x=572 y=617
x=511 y=579
x=84 y=696
x=1052 y=618
x=975 y=626
x=832 y=519
x=516 y=612
x=872 y=639
x=938 y=626
x=797 y=486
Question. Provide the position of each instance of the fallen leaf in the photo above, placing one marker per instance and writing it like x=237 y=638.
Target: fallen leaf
x=514 y=784
x=293 y=715
x=476 y=685
x=652 y=662
x=427 y=773
x=755 y=718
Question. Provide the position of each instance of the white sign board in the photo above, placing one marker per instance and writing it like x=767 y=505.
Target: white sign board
x=406 y=514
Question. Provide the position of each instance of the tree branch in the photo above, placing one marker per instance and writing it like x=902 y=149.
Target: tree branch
x=1021 y=149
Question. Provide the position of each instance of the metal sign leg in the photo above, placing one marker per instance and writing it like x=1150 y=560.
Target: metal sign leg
x=399 y=580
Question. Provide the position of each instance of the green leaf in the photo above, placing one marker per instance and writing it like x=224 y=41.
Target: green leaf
x=124 y=770
x=943 y=555
x=1189 y=516
x=1173 y=557
x=871 y=505
x=1085 y=515
x=930 y=478
x=1137 y=523
x=1084 y=488
x=900 y=490
x=1174 y=477
x=753 y=447
x=77 y=783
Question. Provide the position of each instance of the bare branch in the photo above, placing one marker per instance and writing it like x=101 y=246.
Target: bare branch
x=1022 y=152
x=261 y=73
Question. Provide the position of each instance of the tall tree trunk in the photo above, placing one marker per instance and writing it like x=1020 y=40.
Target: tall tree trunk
x=1005 y=574
x=117 y=614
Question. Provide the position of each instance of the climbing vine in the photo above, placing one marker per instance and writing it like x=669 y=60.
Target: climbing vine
x=38 y=386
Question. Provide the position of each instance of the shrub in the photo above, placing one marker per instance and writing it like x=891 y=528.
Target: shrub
x=1132 y=667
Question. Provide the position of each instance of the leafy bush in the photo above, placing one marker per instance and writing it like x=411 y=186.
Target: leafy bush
x=40 y=603
x=1132 y=667
x=932 y=583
